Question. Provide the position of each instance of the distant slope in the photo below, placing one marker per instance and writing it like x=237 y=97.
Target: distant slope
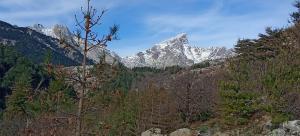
x=35 y=45
x=34 y=42
x=175 y=51
x=62 y=32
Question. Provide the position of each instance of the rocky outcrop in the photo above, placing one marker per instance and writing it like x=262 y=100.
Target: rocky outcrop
x=152 y=132
x=179 y=132
x=182 y=132
x=289 y=128
x=261 y=128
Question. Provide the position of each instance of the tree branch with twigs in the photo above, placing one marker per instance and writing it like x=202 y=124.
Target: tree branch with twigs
x=89 y=40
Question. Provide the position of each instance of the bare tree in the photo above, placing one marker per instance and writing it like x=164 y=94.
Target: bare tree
x=89 y=40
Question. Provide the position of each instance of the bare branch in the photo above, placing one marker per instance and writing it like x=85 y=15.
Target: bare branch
x=78 y=23
x=96 y=21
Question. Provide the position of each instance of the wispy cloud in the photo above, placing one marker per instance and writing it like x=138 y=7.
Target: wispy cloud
x=145 y=22
x=214 y=27
x=26 y=12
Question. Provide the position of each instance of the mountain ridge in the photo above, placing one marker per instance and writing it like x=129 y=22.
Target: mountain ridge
x=35 y=45
x=63 y=33
x=175 y=51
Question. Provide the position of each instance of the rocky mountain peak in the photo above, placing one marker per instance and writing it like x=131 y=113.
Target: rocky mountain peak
x=175 y=51
x=178 y=39
x=37 y=27
x=56 y=31
x=62 y=32
x=170 y=52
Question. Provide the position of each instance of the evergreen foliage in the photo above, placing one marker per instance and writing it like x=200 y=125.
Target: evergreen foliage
x=201 y=65
x=295 y=16
x=265 y=72
x=20 y=102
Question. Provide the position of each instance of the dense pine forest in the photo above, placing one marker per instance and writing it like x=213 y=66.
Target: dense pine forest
x=250 y=94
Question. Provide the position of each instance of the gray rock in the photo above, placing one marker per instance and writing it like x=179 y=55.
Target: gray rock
x=278 y=132
x=289 y=128
x=182 y=132
x=292 y=125
x=152 y=132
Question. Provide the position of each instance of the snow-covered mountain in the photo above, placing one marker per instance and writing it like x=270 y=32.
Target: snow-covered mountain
x=175 y=51
x=171 y=52
x=62 y=32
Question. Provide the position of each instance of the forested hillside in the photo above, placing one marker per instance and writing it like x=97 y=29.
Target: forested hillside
x=35 y=45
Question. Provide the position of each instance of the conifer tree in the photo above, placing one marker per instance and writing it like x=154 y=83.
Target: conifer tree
x=19 y=103
x=91 y=40
x=295 y=16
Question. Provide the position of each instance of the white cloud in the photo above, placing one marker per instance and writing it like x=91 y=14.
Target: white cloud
x=213 y=27
x=205 y=27
x=26 y=12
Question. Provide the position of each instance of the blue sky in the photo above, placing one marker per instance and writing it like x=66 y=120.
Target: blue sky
x=146 y=22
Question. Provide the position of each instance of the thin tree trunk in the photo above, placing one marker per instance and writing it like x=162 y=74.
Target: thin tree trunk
x=27 y=127
x=188 y=104
x=90 y=21
x=81 y=93
x=84 y=87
